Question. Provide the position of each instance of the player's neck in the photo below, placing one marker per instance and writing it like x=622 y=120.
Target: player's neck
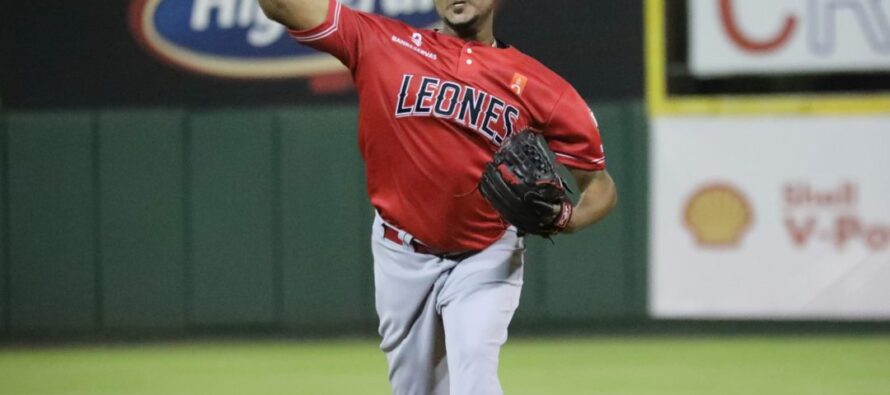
x=483 y=34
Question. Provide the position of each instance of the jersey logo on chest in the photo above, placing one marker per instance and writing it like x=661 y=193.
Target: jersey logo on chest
x=421 y=96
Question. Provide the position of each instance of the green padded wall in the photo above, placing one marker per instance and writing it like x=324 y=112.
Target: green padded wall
x=327 y=218
x=231 y=207
x=52 y=243
x=166 y=219
x=634 y=172
x=4 y=264
x=142 y=219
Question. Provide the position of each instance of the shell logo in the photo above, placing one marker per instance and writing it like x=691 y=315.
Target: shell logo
x=718 y=215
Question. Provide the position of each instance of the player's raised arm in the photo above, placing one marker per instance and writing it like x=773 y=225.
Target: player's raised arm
x=296 y=14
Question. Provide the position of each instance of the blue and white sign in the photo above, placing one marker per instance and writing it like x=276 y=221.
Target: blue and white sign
x=233 y=38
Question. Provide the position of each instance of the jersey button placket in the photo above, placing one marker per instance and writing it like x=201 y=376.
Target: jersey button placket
x=467 y=62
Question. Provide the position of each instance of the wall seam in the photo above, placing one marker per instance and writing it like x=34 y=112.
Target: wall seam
x=277 y=220
x=4 y=190
x=187 y=253
x=97 y=221
x=636 y=285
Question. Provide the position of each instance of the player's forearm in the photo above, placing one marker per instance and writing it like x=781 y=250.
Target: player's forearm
x=598 y=198
x=296 y=14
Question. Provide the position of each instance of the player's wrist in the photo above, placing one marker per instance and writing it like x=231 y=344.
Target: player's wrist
x=563 y=221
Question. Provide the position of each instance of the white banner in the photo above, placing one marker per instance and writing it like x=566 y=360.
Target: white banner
x=788 y=36
x=785 y=217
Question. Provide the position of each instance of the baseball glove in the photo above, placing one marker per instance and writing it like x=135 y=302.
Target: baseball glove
x=521 y=183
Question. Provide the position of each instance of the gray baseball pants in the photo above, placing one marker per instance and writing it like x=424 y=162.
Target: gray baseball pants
x=443 y=322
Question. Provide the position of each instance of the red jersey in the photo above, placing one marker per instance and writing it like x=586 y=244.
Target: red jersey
x=434 y=108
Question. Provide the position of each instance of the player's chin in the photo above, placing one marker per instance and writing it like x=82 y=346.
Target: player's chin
x=461 y=22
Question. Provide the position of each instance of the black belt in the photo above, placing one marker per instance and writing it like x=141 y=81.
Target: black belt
x=392 y=234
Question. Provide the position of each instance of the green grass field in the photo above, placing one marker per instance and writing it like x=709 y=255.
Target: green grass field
x=597 y=365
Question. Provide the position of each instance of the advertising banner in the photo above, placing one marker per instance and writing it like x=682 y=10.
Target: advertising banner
x=729 y=37
x=770 y=217
x=233 y=38
x=221 y=53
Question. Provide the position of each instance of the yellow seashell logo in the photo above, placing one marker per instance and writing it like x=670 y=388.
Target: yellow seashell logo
x=718 y=215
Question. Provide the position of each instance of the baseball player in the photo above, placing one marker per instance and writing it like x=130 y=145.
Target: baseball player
x=435 y=105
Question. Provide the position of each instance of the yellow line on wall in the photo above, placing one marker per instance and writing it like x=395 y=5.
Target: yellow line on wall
x=656 y=57
x=661 y=104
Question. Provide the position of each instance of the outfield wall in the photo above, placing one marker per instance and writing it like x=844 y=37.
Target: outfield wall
x=769 y=183
x=165 y=220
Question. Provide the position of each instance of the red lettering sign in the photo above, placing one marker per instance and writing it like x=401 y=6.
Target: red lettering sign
x=751 y=45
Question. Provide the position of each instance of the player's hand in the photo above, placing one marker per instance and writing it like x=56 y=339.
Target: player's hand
x=522 y=184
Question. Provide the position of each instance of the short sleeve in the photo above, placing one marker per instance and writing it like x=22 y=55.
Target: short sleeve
x=341 y=34
x=573 y=133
